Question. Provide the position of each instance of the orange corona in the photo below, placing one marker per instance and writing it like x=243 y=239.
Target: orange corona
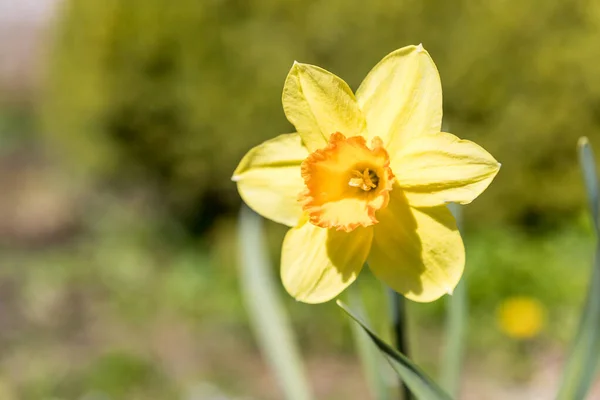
x=346 y=183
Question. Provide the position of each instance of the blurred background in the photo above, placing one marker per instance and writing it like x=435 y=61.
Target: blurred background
x=121 y=123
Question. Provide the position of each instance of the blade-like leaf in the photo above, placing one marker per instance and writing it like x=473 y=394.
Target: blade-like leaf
x=267 y=316
x=419 y=383
x=590 y=178
x=585 y=351
x=370 y=358
x=456 y=321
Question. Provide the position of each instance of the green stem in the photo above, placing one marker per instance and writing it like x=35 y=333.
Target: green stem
x=456 y=321
x=456 y=327
x=398 y=309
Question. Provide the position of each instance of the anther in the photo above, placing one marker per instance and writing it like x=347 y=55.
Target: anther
x=366 y=180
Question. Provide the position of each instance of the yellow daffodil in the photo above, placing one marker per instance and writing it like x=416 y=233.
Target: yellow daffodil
x=521 y=317
x=366 y=178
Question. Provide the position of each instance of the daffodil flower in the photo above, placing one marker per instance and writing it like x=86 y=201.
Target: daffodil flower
x=366 y=179
x=521 y=317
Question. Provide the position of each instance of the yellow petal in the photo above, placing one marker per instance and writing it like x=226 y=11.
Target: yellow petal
x=417 y=252
x=319 y=104
x=318 y=263
x=436 y=169
x=402 y=97
x=269 y=179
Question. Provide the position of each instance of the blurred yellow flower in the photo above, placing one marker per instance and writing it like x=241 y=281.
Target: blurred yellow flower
x=521 y=317
x=366 y=178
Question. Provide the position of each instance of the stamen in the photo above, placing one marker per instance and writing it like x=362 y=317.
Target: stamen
x=366 y=180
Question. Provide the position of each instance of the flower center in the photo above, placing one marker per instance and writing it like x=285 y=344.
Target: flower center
x=365 y=180
x=346 y=183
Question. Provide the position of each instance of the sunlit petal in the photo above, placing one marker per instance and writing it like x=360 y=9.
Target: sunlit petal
x=437 y=169
x=269 y=179
x=318 y=263
x=402 y=97
x=319 y=103
x=417 y=252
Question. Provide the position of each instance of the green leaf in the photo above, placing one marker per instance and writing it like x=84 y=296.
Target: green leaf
x=456 y=321
x=590 y=178
x=267 y=316
x=370 y=358
x=418 y=382
x=456 y=317
x=585 y=351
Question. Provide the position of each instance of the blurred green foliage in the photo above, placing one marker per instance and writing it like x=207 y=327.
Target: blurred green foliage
x=122 y=313
x=176 y=92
